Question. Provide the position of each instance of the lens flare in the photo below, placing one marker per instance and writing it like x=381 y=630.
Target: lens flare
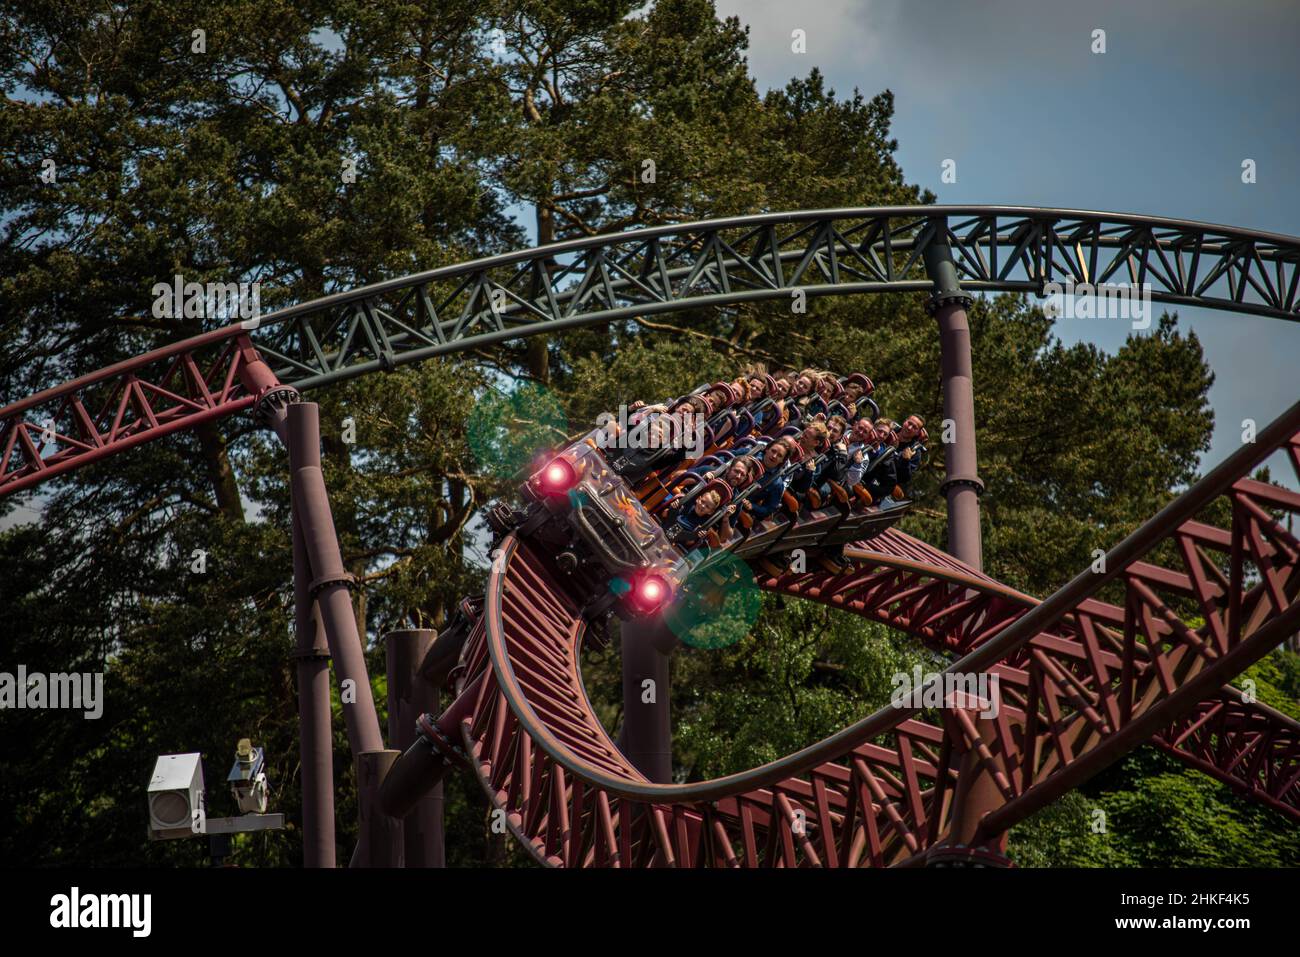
x=716 y=604
x=557 y=477
x=650 y=592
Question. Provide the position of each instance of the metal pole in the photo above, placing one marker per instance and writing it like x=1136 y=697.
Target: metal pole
x=297 y=424
x=409 y=696
x=331 y=590
x=977 y=793
x=647 y=736
x=315 y=744
x=380 y=836
x=962 y=485
x=332 y=582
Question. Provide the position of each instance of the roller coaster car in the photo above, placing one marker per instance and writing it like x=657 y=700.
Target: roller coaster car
x=616 y=557
x=612 y=551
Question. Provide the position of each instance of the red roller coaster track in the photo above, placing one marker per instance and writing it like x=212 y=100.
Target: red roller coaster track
x=1083 y=681
x=953 y=608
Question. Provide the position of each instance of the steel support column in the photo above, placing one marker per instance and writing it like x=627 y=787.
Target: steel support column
x=331 y=588
x=298 y=426
x=331 y=582
x=647 y=736
x=315 y=742
x=976 y=792
x=379 y=842
x=962 y=485
x=315 y=639
x=409 y=696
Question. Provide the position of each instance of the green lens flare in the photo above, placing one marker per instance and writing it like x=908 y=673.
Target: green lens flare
x=716 y=605
x=506 y=429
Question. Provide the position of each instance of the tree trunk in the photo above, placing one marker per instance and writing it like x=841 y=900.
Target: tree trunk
x=216 y=462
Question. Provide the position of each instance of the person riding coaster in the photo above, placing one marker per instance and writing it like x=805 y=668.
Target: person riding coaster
x=899 y=457
x=855 y=386
x=912 y=451
x=814 y=440
x=804 y=385
x=777 y=456
x=864 y=450
x=739 y=473
x=782 y=386
x=761 y=386
x=856 y=396
x=765 y=400
x=827 y=389
x=708 y=511
x=833 y=463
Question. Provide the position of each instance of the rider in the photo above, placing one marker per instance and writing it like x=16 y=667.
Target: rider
x=814 y=440
x=855 y=387
x=716 y=495
x=908 y=459
x=827 y=389
x=772 y=486
x=863 y=449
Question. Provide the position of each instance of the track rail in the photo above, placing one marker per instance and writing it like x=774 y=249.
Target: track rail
x=643 y=272
x=952 y=608
x=1082 y=682
x=88 y=419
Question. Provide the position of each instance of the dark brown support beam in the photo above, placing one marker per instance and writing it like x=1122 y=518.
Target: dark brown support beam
x=647 y=735
x=331 y=583
x=962 y=485
x=409 y=696
x=315 y=742
x=380 y=842
x=297 y=424
x=976 y=793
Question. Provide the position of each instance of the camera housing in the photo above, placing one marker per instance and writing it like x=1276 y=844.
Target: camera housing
x=247 y=778
x=176 y=804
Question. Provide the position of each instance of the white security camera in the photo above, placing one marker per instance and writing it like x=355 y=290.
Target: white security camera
x=176 y=807
x=247 y=778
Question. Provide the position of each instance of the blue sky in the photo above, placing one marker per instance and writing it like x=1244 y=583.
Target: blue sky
x=1158 y=124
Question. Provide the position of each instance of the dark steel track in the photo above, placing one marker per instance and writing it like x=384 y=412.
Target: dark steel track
x=1082 y=683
